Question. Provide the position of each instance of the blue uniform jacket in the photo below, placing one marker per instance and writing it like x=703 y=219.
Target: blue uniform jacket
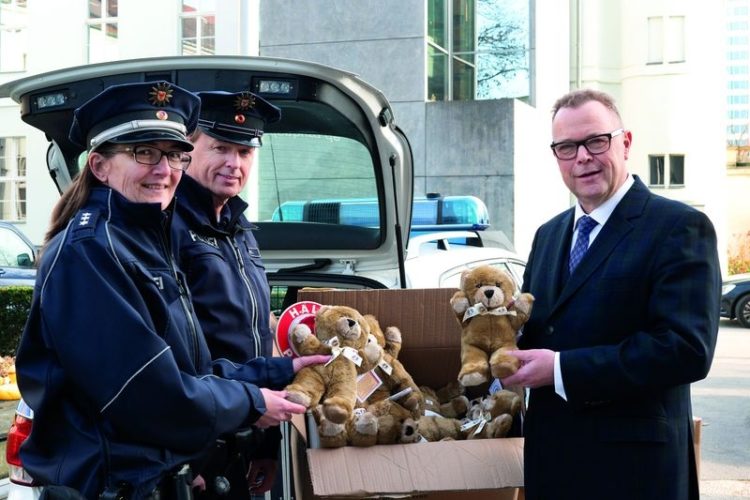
x=227 y=281
x=225 y=274
x=113 y=362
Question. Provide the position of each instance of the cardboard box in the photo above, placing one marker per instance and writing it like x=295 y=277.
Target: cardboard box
x=491 y=468
x=697 y=426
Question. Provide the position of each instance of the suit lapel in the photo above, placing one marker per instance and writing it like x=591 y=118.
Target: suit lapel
x=617 y=227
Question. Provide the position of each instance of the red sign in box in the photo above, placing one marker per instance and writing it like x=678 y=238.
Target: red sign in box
x=299 y=313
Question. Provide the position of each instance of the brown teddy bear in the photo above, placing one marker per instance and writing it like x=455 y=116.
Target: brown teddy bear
x=342 y=332
x=377 y=418
x=430 y=429
x=492 y=416
x=490 y=319
x=446 y=401
x=395 y=399
x=391 y=372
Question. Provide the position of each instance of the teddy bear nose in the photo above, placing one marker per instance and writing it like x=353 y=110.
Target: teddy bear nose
x=489 y=293
x=351 y=322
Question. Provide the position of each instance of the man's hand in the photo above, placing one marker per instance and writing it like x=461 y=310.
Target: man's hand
x=261 y=475
x=303 y=361
x=537 y=369
x=278 y=409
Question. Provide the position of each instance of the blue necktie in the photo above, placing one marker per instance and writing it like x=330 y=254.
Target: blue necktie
x=585 y=225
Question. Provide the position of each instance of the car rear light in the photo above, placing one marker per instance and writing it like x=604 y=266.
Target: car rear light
x=20 y=429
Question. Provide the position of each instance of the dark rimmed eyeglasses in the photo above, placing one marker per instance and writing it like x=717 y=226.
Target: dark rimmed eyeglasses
x=149 y=155
x=598 y=144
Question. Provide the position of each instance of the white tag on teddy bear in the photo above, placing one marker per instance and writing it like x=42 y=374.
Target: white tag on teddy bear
x=422 y=439
x=401 y=394
x=471 y=423
x=366 y=385
x=333 y=342
x=481 y=426
x=351 y=354
x=358 y=412
x=386 y=367
x=481 y=310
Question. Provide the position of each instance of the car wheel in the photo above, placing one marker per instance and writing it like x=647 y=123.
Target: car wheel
x=742 y=311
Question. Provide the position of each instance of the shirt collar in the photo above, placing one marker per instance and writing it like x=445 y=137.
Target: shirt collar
x=601 y=213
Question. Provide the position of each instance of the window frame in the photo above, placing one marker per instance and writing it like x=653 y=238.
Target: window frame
x=14 y=34
x=109 y=48
x=16 y=201
x=197 y=16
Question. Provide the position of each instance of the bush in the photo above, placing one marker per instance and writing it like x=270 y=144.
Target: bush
x=739 y=257
x=15 y=302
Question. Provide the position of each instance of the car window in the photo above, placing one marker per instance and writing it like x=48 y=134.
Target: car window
x=14 y=251
x=316 y=178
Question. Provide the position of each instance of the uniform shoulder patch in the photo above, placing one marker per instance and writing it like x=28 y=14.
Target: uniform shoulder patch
x=84 y=223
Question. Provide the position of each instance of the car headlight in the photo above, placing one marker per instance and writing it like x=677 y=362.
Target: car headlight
x=725 y=289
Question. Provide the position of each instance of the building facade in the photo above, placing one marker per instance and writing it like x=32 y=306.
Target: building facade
x=656 y=57
x=472 y=83
x=40 y=35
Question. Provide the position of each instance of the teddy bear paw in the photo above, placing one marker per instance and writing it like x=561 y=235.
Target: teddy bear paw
x=330 y=429
x=472 y=379
x=366 y=423
x=301 y=332
x=335 y=413
x=523 y=303
x=393 y=334
x=460 y=305
x=299 y=398
x=505 y=369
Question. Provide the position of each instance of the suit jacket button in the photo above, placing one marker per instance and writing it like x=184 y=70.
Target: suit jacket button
x=550 y=330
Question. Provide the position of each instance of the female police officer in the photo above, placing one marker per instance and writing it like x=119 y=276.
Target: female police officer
x=112 y=360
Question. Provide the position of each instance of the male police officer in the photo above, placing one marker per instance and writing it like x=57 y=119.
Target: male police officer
x=219 y=254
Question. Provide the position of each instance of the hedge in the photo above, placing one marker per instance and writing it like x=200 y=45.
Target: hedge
x=15 y=302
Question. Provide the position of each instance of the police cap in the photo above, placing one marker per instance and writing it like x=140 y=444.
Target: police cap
x=237 y=117
x=136 y=112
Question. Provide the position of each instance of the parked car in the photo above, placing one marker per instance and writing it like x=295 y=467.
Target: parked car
x=735 y=298
x=17 y=257
x=333 y=200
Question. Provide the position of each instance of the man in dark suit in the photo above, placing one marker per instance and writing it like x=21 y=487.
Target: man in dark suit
x=627 y=288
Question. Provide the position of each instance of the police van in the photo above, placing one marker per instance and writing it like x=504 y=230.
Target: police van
x=332 y=192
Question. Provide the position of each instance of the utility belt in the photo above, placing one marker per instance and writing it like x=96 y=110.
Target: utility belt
x=174 y=486
x=226 y=463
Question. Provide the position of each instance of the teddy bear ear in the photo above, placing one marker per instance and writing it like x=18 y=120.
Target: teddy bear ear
x=323 y=309
x=464 y=275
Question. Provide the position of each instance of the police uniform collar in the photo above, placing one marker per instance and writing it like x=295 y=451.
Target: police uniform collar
x=116 y=206
x=197 y=201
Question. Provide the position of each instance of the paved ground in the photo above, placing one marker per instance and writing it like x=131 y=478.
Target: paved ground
x=722 y=400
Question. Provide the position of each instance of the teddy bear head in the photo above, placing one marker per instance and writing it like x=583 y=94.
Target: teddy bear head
x=343 y=322
x=489 y=286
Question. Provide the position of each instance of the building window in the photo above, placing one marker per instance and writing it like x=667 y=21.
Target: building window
x=658 y=174
x=13 y=179
x=739 y=84
x=478 y=49
x=656 y=170
x=198 y=23
x=675 y=39
x=101 y=29
x=676 y=170
x=655 y=40
x=13 y=41
x=666 y=39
